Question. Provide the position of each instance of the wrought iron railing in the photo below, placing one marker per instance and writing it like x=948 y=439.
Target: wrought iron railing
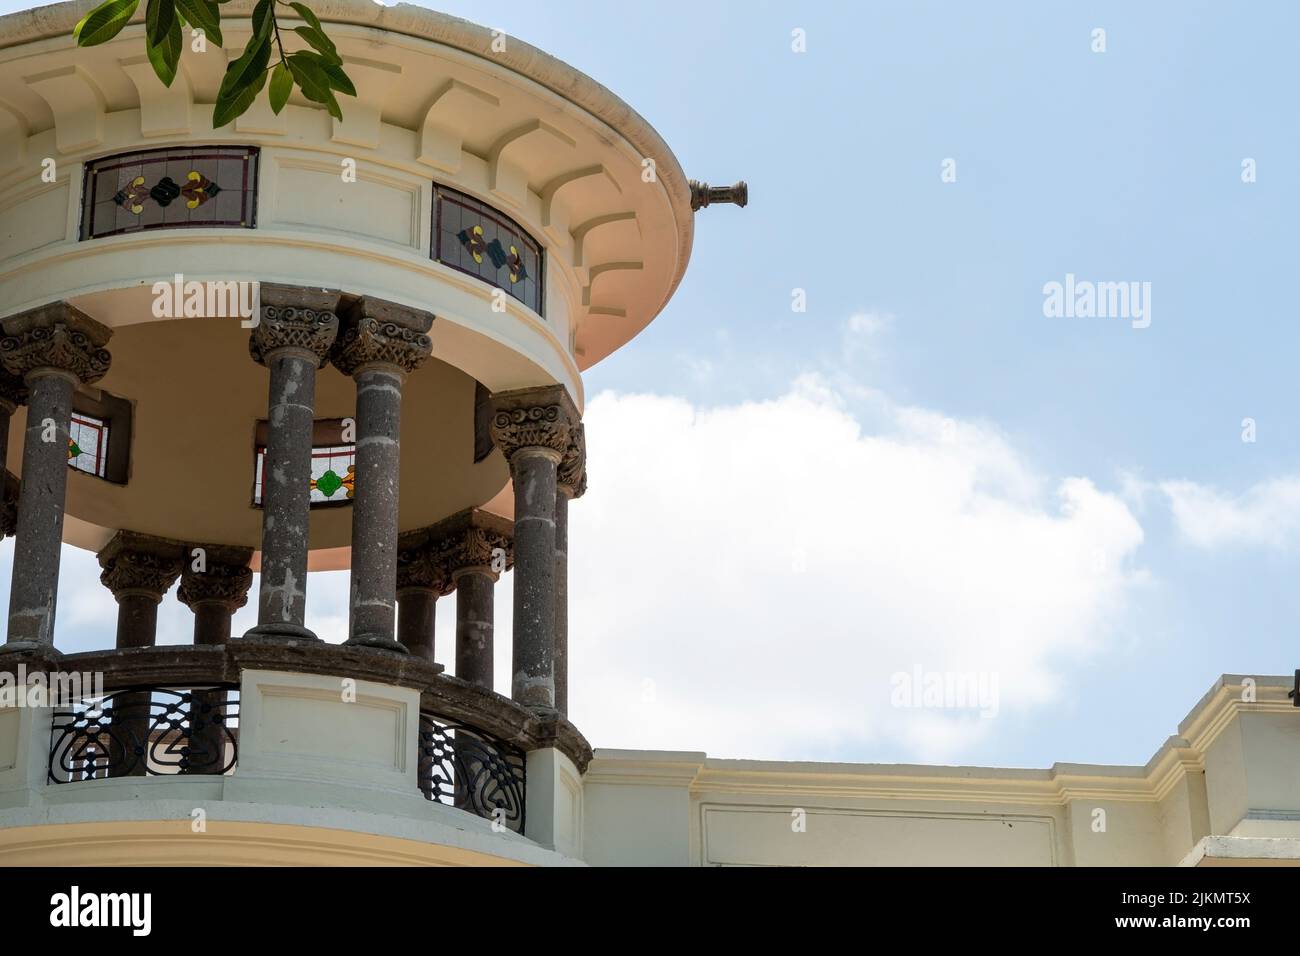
x=466 y=768
x=141 y=731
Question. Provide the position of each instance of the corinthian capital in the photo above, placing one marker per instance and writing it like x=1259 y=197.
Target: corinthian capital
x=473 y=539
x=223 y=576
x=417 y=565
x=56 y=336
x=572 y=475
x=533 y=418
x=294 y=318
x=140 y=564
x=13 y=391
x=376 y=332
x=9 y=506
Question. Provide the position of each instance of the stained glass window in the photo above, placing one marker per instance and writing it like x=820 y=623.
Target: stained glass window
x=88 y=444
x=333 y=473
x=472 y=237
x=192 y=186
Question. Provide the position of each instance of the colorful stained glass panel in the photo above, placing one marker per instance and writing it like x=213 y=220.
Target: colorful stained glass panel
x=333 y=474
x=197 y=186
x=88 y=444
x=472 y=237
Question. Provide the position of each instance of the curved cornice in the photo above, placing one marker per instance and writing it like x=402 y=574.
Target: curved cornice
x=57 y=20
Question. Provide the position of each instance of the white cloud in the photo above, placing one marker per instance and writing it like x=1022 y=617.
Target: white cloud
x=932 y=543
x=746 y=579
x=862 y=335
x=1267 y=514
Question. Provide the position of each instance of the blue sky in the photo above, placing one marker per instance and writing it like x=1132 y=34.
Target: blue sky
x=1116 y=166
x=1123 y=165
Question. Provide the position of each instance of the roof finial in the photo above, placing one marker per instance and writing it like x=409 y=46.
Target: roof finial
x=702 y=194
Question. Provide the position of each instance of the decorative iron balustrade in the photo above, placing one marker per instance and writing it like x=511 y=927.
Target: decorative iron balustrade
x=472 y=770
x=146 y=731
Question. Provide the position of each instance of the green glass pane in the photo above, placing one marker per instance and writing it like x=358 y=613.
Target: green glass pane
x=329 y=483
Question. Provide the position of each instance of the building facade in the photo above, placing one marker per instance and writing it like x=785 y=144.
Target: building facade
x=300 y=343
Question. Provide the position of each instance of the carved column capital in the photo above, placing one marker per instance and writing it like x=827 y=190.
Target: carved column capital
x=571 y=477
x=9 y=506
x=473 y=540
x=140 y=564
x=378 y=332
x=418 y=567
x=533 y=418
x=55 y=337
x=13 y=391
x=299 y=319
x=224 y=579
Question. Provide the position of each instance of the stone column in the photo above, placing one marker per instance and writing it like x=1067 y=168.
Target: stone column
x=214 y=585
x=421 y=580
x=380 y=344
x=12 y=394
x=474 y=548
x=52 y=348
x=571 y=482
x=295 y=331
x=532 y=428
x=139 y=569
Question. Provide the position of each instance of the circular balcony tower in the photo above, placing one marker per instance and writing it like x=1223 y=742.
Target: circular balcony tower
x=300 y=343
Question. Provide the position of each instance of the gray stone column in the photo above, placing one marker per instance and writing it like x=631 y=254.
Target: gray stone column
x=475 y=591
x=52 y=349
x=571 y=482
x=214 y=585
x=139 y=569
x=12 y=394
x=532 y=428
x=474 y=547
x=379 y=345
x=420 y=582
x=295 y=331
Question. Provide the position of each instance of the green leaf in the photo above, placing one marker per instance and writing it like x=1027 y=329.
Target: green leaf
x=166 y=56
x=281 y=87
x=315 y=85
x=263 y=19
x=245 y=70
x=335 y=78
x=229 y=106
x=311 y=77
x=203 y=14
x=304 y=11
x=104 y=22
x=339 y=80
x=320 y=42
x=158 y=19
